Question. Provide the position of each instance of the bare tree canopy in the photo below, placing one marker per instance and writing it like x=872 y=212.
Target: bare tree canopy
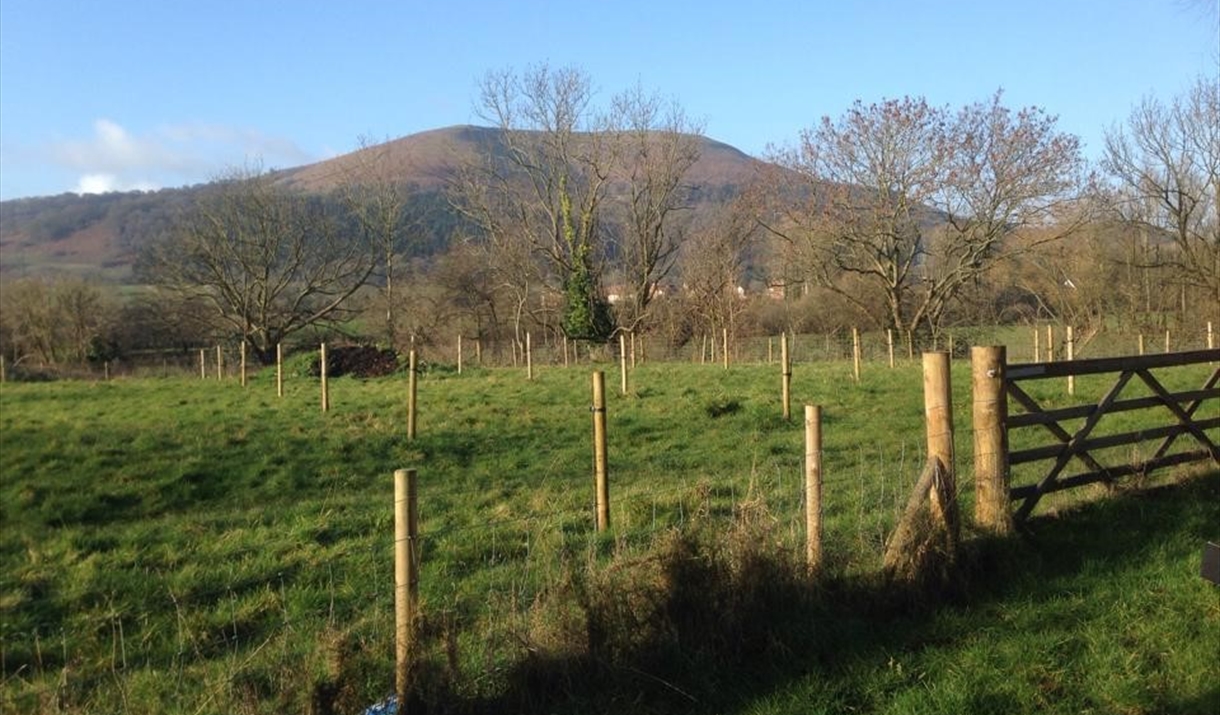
x=575 y=188
x=1165 y=164
x=915 y=202
x=266 y=261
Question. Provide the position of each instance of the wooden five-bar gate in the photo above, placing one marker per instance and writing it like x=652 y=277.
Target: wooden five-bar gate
x=997 y=385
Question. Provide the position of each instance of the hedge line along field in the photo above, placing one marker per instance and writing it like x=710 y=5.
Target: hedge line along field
x=178 y=545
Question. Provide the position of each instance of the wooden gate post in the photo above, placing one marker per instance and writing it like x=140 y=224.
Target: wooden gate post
x=938 y=416
x=991 y=478
x=813 y=488
x=600 y=480
x=406 y=577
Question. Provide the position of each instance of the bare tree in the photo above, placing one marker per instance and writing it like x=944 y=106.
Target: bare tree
x=1165 y=164
x=713 y=264
x=915 y=202
x=544 y=183
x=380 y=203
x=53 y=321
x=268 y=262
x=660 y=145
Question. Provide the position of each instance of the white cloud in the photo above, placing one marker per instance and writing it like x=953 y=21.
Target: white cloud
x=114 y=159
x=105 y=183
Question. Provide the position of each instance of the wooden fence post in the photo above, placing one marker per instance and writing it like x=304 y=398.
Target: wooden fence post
x=991 y=479
x=1211 y=343
x=855 y=353
x=220 y=364
x=600 y=479
x=785 y=367
x=459 y=354
x=412 y=375
x=889 y=344
x=1166 y=339
x=622 y=362
x=1050 y=343
x=724 y=345
x=243 y=362
x=203 y=365
x=938 y=416
x=279 y=370
x=1141 y=344
x=813 y=488
x=1071 y=355
x=529 y=358
x=325 y=384
x=406 y=578
x=1037 y=345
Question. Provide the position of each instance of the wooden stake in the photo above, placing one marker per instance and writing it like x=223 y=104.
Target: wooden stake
x=279 y=370
x=1141 y=344
x=785 y=376
x=889 y=344
x=412 y=376
x=770 y=350
x=622 y=361
x=243 y=363
x=459 y=354
x=203 y=365
x=529 y=358
x=1166 y=340
x=724 y=333
x=813 y=488
x=1211 y=343
x=855 y=353
x=991 y=475
x=478 y=351
x=1037 y=346
x=4 y=371
x=325 y=384
x=1071 y=355
x=632 y=350
x=1050 y=343
x=220 y=364
x=600 y=479
x=406 y=578
x=938 y=416
x=565 y=350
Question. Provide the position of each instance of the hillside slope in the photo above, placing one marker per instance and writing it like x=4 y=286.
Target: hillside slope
x=101 y=235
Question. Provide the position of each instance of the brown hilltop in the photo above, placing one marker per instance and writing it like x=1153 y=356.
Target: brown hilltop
x=101 y=235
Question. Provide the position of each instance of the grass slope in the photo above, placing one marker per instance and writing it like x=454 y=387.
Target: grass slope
x=175 y=545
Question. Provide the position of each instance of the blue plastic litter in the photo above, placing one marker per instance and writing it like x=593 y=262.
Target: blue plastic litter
x=389 y=706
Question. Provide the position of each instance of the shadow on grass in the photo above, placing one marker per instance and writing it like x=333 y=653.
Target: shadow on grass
x=704 y=627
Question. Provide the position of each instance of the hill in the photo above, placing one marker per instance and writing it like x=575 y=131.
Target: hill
x=101 y=235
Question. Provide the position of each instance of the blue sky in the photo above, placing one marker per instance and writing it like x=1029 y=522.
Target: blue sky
x=101 y=95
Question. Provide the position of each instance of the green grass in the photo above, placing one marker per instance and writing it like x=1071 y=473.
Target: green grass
x=177 y=545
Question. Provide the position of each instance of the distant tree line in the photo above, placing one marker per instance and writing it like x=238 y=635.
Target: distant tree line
x=576 y=219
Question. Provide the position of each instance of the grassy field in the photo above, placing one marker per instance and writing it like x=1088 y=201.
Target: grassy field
x=175 y=545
